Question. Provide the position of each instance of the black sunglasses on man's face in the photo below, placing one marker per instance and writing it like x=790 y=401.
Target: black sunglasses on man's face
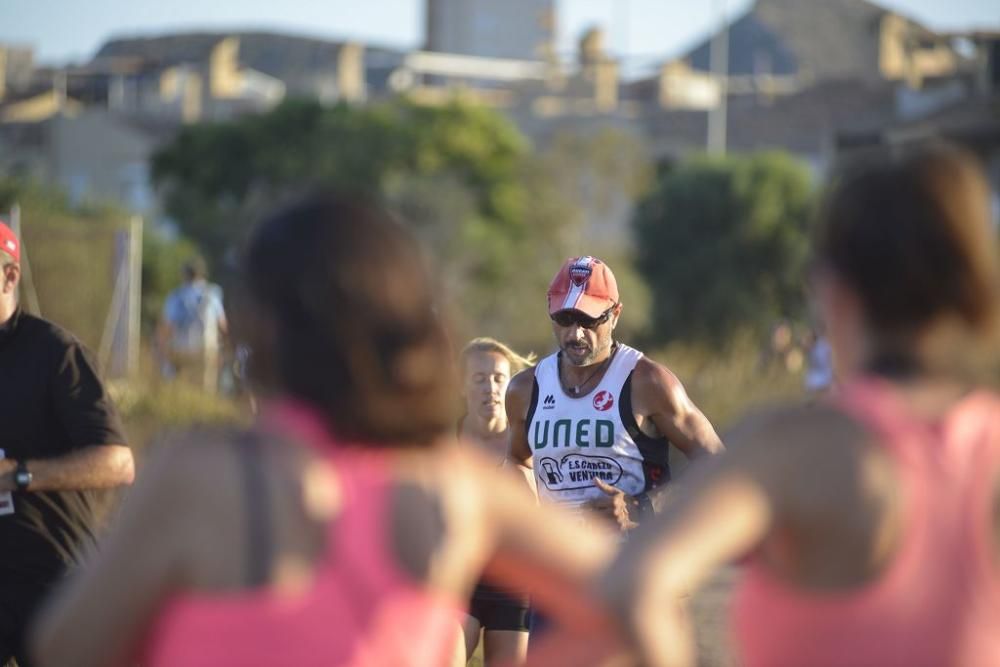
x=569 y=318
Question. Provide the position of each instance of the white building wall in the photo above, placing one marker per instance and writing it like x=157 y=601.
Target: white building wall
x=522 y=29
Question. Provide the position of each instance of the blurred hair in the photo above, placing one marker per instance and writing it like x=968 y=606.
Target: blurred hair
x=343 y=294
x=195 y=268
x=487 y=345
x=6 y=259
x=909 y=232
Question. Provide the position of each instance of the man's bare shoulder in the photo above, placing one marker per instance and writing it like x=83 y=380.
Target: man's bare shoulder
x=648 y=371
x=517 y=404
x=654 y=381
x=520 y=387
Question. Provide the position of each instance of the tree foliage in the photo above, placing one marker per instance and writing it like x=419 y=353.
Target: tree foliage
x=67 y=256
x=461 y=175
x=722 y=242
x=71 y=249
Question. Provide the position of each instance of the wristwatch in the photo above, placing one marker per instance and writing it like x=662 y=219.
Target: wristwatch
x=22 y=476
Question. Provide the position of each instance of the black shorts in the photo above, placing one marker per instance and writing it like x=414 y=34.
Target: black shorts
x=496 y=609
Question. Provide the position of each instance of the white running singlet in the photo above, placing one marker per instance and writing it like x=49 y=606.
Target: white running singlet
x=574 y=440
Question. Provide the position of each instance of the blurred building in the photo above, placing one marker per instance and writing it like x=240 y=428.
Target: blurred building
x=91 y=154
x=963 y=107
x=247 y=71
x=804 y=76
x=797 y=73
x=517 y=29
x=92 y=129
x=17 y=63
x=817 y=40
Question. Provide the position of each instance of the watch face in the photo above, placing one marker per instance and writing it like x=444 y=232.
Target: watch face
x=22 y=478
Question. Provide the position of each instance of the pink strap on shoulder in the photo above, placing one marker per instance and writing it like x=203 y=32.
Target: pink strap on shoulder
x=360 y=534
x=872 y=402
x=300 y=419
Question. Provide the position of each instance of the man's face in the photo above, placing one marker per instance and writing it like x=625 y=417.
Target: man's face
x=584 y=340
x=487 y=375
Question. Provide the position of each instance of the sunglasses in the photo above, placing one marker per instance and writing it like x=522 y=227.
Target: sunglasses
x=569 y=318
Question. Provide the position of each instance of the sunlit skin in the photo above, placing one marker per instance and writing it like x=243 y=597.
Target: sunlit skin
x=583 y=348
x=487 y=375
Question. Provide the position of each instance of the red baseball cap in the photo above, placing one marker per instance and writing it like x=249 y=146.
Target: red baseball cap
x=9 y=243
x=585 y=284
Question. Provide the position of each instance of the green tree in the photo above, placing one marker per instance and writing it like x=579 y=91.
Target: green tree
x=599 y=175
x=461 y=175
x=722 y=242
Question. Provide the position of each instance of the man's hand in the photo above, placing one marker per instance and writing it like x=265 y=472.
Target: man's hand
x=618 y=506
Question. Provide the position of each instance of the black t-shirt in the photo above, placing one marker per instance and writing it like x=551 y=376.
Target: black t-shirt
x=51 y=403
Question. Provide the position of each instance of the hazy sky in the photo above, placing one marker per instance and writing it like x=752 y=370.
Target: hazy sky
x=62 y=30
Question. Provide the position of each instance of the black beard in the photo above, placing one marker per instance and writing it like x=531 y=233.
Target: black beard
x=589 y=360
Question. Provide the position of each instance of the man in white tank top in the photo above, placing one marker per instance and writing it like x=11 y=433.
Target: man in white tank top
x=595 y=420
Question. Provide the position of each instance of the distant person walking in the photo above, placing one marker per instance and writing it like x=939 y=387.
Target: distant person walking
x=819 y=369
x=191 y=330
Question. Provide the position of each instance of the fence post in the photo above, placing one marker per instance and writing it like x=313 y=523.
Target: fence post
x=134 y=334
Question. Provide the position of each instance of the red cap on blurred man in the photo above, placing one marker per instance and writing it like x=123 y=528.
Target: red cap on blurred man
x=585 y=284
x=9 y=243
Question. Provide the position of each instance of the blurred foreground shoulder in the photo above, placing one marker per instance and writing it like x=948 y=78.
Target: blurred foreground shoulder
x=817 y=444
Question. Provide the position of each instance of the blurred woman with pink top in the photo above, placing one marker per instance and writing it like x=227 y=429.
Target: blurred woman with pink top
x=871 y=521
x=348 y=527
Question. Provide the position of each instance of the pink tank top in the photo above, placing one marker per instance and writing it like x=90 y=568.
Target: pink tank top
x=362 y=610
x=937 y=602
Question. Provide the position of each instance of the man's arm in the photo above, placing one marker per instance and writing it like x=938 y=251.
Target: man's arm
x=516 y=403
x=657 y=395
x=95 y=456
x=96 y=467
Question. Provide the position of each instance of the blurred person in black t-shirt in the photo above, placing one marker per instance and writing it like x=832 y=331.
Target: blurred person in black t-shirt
x=60 y=436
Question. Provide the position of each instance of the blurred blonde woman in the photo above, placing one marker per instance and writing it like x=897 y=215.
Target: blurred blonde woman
x=487 y=366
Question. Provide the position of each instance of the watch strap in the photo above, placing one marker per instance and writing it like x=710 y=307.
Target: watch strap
x=22 y=476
